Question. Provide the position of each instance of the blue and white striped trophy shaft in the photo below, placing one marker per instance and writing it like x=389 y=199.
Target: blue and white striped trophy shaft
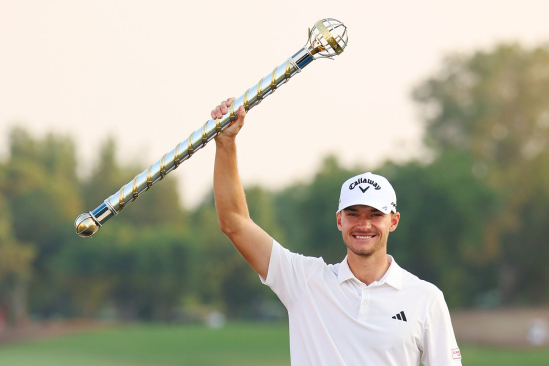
x=327 y=39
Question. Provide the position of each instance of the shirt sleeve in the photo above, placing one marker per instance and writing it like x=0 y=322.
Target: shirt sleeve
x=289 y=272
x=439 y=342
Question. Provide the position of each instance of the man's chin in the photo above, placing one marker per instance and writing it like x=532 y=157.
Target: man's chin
x=365 y=252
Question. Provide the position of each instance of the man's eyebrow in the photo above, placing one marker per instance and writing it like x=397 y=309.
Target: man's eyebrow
x=350 y=209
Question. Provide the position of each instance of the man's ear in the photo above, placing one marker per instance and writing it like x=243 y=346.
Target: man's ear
x=338 y=217
x=395 y=218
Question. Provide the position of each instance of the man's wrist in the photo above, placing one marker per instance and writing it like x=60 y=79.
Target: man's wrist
x=225 y=141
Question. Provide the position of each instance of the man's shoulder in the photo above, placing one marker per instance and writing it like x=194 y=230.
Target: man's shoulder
x=301 y=260
x=413 y=282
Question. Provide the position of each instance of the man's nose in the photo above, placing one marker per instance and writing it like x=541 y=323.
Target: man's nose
x=364 y=223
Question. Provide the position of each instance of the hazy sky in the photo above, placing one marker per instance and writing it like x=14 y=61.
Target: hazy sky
x=149 y=72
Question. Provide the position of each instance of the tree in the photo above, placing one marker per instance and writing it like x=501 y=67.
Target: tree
x=143 y=273
x=441 y=237
x=494 y=106
x=138 y=261
x=41 y=190
x=222 y=277
x=15 y=269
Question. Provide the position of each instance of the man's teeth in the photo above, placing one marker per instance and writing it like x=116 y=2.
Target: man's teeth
x=363 y=236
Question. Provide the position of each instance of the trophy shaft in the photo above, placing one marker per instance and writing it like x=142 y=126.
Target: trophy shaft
x=327 y=38
x=197 y=140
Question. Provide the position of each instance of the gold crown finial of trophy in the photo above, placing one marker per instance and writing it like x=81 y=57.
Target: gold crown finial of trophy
x=327 y=38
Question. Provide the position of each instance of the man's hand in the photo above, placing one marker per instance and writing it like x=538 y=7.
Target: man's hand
x=222 y=109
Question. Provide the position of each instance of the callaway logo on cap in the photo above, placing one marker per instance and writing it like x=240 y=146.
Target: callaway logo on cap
x=370 y=190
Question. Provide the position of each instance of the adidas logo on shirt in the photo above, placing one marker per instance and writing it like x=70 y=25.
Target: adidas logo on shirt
x=400 y=316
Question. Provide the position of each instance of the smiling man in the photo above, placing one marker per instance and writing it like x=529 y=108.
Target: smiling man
x=366 y=310
x=365 y=218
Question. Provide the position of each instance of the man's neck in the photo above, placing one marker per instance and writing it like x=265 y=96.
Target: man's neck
x=368 y=269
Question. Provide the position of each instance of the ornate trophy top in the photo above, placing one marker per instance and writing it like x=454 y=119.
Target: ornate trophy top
x=328 y=38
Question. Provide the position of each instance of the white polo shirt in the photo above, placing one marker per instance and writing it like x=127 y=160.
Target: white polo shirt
x=337 y=320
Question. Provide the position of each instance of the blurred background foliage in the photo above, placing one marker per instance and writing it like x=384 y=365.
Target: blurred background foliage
x=474 y=213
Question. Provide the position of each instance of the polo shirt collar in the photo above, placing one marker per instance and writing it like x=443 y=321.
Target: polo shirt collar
x=392 y=277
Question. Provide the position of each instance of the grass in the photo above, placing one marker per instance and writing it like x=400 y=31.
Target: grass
x=241 y=344
x=237 y=344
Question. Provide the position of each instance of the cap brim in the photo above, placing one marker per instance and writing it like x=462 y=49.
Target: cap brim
x=376 y=205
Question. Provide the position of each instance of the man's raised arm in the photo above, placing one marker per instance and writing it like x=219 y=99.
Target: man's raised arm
x=234 y=218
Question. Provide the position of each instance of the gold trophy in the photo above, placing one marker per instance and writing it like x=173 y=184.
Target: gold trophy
x=327 y=38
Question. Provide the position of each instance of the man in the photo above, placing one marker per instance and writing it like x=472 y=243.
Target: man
x=365 y=310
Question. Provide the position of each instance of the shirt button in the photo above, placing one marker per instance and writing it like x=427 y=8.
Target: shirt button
x=364 y=302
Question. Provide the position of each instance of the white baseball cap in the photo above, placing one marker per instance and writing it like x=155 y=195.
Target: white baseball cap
x=370 y=190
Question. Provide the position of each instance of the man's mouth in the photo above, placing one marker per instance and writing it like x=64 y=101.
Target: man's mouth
x=362 y=236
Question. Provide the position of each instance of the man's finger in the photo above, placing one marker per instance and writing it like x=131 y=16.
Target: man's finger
x=218 y=112
x=241 y=113
x=223 y=108
x=228 y=102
